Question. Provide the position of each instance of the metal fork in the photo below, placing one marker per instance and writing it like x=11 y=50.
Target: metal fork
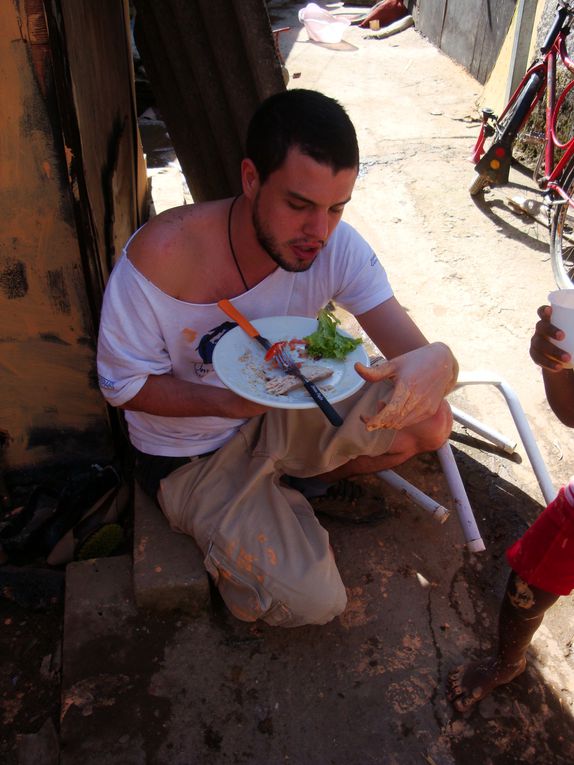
x=289 y=365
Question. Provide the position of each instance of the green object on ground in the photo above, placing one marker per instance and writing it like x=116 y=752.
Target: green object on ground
x=101 y=543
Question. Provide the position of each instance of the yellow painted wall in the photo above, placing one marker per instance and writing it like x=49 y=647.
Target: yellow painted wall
x=494 y=92
x=51 y=410
x=46 y=340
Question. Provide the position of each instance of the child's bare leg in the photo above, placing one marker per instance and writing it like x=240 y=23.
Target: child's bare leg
x=521 y=613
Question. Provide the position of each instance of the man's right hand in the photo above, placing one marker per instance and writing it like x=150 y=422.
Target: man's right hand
x=542 y=350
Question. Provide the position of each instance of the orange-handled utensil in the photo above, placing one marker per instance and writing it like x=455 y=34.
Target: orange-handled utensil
x=287 y=362
x=244 y=323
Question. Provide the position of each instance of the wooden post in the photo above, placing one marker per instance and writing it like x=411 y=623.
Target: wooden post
x=525 y=15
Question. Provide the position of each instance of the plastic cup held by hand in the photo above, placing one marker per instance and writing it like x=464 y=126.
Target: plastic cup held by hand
x=562 y=302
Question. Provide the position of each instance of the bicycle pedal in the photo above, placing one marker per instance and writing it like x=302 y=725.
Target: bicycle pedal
x=533 y=138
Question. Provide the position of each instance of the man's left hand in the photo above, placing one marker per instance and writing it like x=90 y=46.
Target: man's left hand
x=422 y=378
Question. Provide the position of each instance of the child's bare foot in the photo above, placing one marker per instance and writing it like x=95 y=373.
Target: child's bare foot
x=471 y=682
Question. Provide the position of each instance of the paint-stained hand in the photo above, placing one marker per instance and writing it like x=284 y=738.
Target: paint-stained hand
x=421 y=378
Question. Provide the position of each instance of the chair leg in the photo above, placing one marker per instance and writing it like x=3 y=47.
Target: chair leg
x=438 y=512
x=485 y=431
x=531 y=447
x=474 y=542
x=470 y=530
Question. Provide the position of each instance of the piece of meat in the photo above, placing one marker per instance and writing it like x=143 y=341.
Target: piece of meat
x=279 y=386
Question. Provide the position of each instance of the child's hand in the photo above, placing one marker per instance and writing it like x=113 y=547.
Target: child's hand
x=542 y=350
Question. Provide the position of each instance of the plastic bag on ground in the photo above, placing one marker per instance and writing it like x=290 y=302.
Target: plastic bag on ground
x=322 y=26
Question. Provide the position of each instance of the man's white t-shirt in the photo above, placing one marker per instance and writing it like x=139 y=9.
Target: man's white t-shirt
x=144 y=331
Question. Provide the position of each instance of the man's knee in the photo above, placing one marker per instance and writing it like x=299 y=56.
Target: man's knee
x=292 y=600
x=302 y=607
x=444 y=423
x=436 y=429
x=316 y=604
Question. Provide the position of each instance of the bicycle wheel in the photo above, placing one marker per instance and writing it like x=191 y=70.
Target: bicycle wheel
x=562 y=235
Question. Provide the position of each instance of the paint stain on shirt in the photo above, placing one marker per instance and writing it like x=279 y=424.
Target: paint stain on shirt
x=189 y=334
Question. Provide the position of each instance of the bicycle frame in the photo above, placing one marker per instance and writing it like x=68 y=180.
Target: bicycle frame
x=486 y=128
x=554 y=172
x=541 y=77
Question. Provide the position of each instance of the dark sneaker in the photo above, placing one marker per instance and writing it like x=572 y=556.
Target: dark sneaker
x=353 y=501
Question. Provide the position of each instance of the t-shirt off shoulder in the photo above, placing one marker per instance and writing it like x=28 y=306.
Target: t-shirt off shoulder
x=144 y=331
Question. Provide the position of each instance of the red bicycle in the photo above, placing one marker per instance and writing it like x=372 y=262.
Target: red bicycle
x=554 y=175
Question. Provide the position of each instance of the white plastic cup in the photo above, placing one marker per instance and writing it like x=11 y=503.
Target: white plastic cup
x=562 y=302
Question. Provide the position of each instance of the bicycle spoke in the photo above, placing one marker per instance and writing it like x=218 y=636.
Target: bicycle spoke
x=567 y=234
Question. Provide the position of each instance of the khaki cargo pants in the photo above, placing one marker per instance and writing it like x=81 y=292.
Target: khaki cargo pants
x=263 y=545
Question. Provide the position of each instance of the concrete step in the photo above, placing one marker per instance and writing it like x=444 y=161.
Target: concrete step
x=168 y=570
x=42 y=747
x=119 y=611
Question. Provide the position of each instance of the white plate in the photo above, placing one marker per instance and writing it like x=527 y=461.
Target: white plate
x=239 y=362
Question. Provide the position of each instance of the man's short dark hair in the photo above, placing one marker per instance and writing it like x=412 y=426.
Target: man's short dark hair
x=313 y=122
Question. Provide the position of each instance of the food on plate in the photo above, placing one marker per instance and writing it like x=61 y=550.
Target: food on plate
x=327 y=342
x=279 y=386
x=289 y=345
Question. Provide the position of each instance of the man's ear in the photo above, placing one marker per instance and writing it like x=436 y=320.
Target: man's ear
x=249 y=179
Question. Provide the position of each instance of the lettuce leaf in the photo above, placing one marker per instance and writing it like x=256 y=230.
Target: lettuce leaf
x=327 y=342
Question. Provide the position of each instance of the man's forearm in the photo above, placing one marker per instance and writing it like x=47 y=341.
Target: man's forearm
x=168 y=396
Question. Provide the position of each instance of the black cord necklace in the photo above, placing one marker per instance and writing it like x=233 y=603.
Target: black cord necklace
x=231 y=206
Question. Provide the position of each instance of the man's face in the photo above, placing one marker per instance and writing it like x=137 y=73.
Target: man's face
x=297 y=208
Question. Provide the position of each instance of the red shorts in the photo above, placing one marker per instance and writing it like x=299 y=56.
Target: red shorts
x=544 y=555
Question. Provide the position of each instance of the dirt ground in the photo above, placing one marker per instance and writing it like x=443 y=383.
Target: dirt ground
x=472 y=273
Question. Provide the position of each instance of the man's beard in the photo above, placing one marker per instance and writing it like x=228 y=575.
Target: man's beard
x=270 y=245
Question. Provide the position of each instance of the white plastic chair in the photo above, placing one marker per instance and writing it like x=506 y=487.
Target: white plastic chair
x=473 y=540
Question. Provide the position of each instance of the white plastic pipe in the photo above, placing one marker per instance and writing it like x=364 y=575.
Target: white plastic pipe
x=470 y=530
x=485 y=431
x=530 y=445
x=438 y=512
